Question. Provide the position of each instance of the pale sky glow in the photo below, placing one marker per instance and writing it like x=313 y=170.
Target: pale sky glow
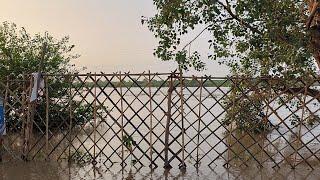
x=107 y=33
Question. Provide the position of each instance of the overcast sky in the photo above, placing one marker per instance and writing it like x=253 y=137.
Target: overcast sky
x=107 y=33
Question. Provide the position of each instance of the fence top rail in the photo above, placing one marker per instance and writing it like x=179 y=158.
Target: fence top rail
x=111 y=74
x=173 y=74
x=243 y=78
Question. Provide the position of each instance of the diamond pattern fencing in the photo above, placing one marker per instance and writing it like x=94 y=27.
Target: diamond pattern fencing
x=111 y=119
x=242 y=121
x=164 y=119
x=14 y=92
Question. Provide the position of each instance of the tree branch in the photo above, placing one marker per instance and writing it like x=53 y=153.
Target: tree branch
x=203 y=30
x=195 y=37
x=313 y=11
x=237 y=18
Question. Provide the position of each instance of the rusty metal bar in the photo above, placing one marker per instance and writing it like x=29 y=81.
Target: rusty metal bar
x=70 y=117
x=151 y=115
x=183 y=165
x=95 y=120
x=47 y=117
x=230 y=128
x=122 y=120
x=199 y=121
x=167 y=130
x=109 y=74
x=5 y=101
x=300 y=126
x=190 y=143
x=28 y=128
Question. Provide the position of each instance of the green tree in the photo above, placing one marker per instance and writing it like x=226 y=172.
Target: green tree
x=252 y=37
x=22 y=53
x=274 y=38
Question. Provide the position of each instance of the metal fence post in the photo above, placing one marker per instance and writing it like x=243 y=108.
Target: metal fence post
x=199 y=121
x=183 y=165
x=167 y=130
x=27 y=128
x=95 y=120
x=47 y=116
x=70 y=117
x=122 y=123
x=300 y=126
x=230 y=128
x=4 y=101
x=150 y=114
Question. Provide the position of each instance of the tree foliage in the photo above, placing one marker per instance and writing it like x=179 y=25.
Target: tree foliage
x=253 y=37
x=22 y=53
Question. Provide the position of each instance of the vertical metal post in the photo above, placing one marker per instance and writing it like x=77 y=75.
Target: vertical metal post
x=5 y=100
x=265 y=120
x=300 y=125
x=70 y=117
x=47 y=116
x=24 y=110
x=199 y=120
x=167 y=130
x=230 y=128
x=183 y=165
x=151 y=126
x=95 y=119
x=122 y=113
x=28 y=125
x=24 y=92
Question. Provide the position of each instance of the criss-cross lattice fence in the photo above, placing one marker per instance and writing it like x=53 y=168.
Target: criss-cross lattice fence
x=164 y=119
x=14 y=91
x=252 y=121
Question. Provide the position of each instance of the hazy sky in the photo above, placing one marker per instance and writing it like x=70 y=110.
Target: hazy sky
x=107 y=33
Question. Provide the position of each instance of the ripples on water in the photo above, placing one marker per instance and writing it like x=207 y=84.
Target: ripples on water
x=62 y=171
x=34 y=170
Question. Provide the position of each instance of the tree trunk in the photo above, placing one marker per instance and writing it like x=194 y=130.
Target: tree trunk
x=313 y=25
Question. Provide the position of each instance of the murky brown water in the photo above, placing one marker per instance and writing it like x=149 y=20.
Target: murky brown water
x=51 y=170
x=63 y=171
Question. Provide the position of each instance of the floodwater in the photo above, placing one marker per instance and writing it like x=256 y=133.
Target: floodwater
x=39 y=169
x=62 y=171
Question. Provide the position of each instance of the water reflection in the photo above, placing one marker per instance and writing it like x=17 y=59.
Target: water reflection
x=270 y=150
x=62 y=171
x=244 y=152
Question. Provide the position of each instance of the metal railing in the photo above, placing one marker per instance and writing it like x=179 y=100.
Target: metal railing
x=167 y=119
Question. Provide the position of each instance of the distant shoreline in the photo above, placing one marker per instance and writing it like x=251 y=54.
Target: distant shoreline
x=158 y=83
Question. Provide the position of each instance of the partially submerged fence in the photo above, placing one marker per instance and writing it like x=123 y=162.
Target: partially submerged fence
x=154 y=119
